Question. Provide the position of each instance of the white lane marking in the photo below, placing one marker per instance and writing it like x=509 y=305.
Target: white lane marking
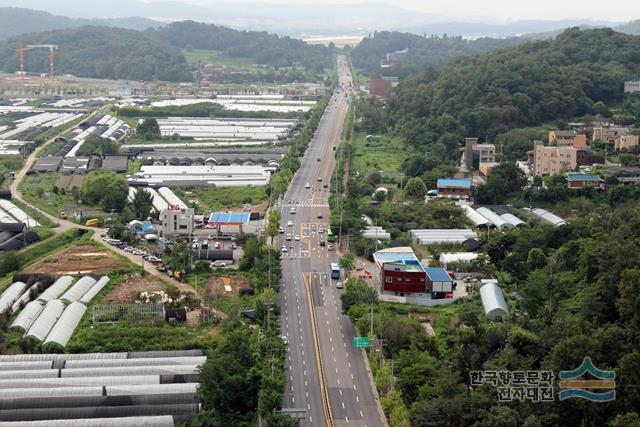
x=342 y=405
x=357 y=399
x=340 y=392
x=361 y=416
x=338 y=381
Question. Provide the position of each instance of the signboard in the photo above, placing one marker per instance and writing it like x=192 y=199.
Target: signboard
x=361 y=342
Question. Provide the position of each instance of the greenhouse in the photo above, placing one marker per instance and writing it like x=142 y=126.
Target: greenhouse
x=55 y=290
x=10 y=295
x=27 y=316
x=43 y=324
x=67 y=324
x=95 y=290
x=78 y=290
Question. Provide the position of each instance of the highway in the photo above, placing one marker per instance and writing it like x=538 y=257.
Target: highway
x=327 y=378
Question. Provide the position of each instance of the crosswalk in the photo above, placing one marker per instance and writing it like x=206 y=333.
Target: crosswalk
x=305 y=203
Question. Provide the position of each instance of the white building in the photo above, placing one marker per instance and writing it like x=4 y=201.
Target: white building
x=177 y=221
x=632 y=86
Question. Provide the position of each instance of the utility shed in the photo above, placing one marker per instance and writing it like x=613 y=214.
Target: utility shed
x=495 y=307
x=439 y=280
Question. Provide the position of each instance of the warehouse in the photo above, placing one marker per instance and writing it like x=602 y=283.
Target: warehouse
x=439 y=282
x=46 y=164
x=438 y=236
x=99 y=388
x=267 y=158
x=400 y=272
x=245 y=129
x=193 y=176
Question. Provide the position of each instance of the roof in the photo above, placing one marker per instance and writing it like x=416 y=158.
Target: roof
x=402 y=255
x=224 y=218
x=115 y=163
x=453 y=182
x=492 y=299
x=438 y=274
x=565 y=133
x=584 y=177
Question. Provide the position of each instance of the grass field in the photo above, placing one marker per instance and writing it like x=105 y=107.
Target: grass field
x=218 y=58
x=38 y=190
x=384 y=153
x=220 y=198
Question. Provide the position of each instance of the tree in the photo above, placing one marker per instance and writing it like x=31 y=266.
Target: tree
x=348 y=263
x=415 y=189
x=106 y=188
x=273 y=226
x=357 y=291
x=149 y=129
x=142 y=204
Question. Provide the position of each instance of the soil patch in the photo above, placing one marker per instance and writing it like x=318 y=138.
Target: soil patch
x=127 y=291
x=78 y=260
x=228 y=285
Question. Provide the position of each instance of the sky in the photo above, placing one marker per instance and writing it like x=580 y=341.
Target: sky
x=612 y=10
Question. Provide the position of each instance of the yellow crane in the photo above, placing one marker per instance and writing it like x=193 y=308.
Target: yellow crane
x=52 y=55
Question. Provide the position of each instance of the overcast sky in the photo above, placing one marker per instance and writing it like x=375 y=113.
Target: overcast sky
x=612 y=10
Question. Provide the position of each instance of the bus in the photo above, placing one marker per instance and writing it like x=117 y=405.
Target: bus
x=335 y=270
x=330 y=236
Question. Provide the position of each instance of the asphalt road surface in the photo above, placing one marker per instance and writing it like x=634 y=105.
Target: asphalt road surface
x=320 y=361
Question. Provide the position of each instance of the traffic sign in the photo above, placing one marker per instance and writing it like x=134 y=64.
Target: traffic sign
x=361 y=342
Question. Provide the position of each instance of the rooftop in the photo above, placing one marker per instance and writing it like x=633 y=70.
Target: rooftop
x=565 y=133
x=438 y=274
x=226 y=218
x=403 y=255
x=584 y=177
x=453 y=182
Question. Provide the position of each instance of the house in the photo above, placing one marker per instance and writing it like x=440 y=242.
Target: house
x=567 y=138
x=582 y=180
x=379 y=87
x=177 y=221
x=626 y=141
x=624 y=175
x=439 y=282
x=608 y=133
x=476 y=154
x=459 y=188
x=495 y=307
x=401 y=272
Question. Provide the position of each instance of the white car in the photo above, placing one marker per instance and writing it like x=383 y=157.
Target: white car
x=210 y=237
x=339 y=285
x=289 y=223
x=284 y=249
x=307 y=186
x=292 y=211
x=297 y=237
x=285 y=340
x=288 y=236
x=218 y=263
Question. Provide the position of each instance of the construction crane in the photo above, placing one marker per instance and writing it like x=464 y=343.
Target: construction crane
x=52 y=55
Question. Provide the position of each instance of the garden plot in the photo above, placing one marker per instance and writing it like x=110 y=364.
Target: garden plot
x=79 y=260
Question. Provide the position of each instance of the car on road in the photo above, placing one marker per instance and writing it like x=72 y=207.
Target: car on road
x=297 y=237
x=194 y=246
x=210 y=237
x=319 y=215
x=284 y=249
x=285 y=340
x=339 y=285
x=292 y=211
x=330 y=247
x=128 y=249
x=281 y=230
x=195 y=239
x=218 y=245
x=288 y=236
x=325 y=185
x=320 y=230
x=205 y=244
x=317 y=159
x=319 y=179
x=322 y=243
x=307 y=186
x=219 y=263
x=289 y=223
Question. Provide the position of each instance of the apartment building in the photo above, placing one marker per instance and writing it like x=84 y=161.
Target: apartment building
x=626 y=141
x=555 y=160
x=568 y=138
x=477 y=154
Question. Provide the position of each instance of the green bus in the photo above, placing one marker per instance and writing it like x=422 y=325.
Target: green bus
x=330 y=236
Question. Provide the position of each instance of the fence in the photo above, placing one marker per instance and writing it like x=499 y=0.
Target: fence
x=111 y=313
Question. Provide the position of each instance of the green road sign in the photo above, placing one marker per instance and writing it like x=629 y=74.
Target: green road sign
x=361 y=342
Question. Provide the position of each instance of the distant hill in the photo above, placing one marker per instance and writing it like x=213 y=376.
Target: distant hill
x=15 y=21
x=421 y=51
x=99 y=52
x=632 y=27
x=260 y=47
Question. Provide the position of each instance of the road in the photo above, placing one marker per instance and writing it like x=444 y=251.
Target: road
x=327 y=378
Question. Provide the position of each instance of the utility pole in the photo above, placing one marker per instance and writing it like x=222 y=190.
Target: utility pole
x=370 y=328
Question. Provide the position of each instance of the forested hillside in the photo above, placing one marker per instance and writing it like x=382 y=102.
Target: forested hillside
x=486 y=95
x=15 y=21
x=260 y=47
x=103 y=52
x=99 y=52
x=431 y=50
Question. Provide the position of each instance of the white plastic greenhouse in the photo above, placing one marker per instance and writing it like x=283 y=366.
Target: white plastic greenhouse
x=24 y=298
x=95 y=289
x=66 y=324
x=55 y=290
x=10 y=295
x=18 y=213
x=27 y=316
x=78 y=290
x=43 y=324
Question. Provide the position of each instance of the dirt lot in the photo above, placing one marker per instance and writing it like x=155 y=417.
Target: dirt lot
x=218 y=285
x=129 y=290
x=78 y=260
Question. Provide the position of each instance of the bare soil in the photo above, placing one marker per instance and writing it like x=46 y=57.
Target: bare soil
x=129 y=290
x=217 y=285
x=78 y=260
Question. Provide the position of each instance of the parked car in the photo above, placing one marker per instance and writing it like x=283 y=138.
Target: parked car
x=210 y=237
x=218 y=245
x=285 y=340
x=330 y=247
x=284 y=249
x=281 y=230
x=219 y=263
x=322 y=243
x=297 y=237
x=339 y=285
